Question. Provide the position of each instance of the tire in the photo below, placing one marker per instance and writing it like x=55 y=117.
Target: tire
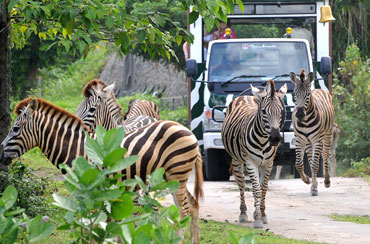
x=217 y=165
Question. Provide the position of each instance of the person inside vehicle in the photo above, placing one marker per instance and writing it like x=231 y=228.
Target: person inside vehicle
x=224 y=32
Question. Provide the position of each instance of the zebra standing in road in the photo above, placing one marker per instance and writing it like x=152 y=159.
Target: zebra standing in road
x=138 y=107
x=313 y=119
x=251 y=135
x=61 y=137
x=92 y=111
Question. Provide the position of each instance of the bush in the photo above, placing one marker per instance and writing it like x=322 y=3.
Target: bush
x=359 y=169
x=31 y=189
x=351 y=92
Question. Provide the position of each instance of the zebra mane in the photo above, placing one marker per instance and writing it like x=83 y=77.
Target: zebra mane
x=273 y=89
x=93 y=86
x=302 y=75
x=41 y=104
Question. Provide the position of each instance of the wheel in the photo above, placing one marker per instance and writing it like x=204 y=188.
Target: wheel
x=217 y=164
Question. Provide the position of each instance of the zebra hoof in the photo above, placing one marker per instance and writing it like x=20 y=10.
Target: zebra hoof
x=314 y=193
x=243 y=218
x=307 y=180
x=327 y=183
x=264 y=219
x=258 y=224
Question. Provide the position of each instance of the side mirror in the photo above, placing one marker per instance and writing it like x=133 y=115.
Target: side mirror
x=191 y=68
x=325 y=65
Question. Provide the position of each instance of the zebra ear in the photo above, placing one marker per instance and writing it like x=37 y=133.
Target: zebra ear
x=255 y=91
x=293 y=77
x=107 y=90
x=282 y=91
x=310 y=78
x=31 y=107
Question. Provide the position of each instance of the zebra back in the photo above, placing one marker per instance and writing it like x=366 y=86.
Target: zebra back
x=138 y=107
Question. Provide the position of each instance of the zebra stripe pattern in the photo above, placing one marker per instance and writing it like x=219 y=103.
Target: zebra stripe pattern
x=313 y=119
x=251 y=135
x=141 y=107
x=61 y=137
x=100 y=107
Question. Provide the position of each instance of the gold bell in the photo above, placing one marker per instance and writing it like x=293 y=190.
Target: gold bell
x=326 y=15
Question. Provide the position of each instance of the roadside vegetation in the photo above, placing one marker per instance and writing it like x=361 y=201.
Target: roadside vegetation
x=351 y=218
x=351 y=93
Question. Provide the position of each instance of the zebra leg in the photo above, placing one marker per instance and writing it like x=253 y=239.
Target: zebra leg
x=315 y=163
x=238 y=169
x=325 y=158
x=257 y=193
x=266 y=171
x=181 y=201
x=194 y=212
x=299 y=155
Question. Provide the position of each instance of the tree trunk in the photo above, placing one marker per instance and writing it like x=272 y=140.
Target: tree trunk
x=4 y=69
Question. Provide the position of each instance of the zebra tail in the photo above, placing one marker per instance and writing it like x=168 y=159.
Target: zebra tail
x=198 y=181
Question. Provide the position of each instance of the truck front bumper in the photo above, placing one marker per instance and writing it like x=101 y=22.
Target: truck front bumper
x=214 y=140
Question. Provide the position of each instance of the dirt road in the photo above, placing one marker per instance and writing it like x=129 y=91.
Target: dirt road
x=292 y=212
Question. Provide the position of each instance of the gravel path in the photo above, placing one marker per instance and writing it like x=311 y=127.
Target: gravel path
x=291 y=210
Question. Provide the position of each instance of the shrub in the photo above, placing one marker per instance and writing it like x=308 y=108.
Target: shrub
x=96 y=198
x=351 y=92
x=31 y=189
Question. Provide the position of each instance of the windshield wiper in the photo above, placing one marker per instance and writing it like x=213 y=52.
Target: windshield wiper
x=279 y=76
x=241 y=76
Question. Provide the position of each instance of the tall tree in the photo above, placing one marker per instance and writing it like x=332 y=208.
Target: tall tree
x=4 y=69
x=80 y=25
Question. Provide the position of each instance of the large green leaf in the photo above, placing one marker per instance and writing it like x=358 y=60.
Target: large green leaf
x=80 y=166
x=64 y=202
x=123 y=164
x=113 y=138
x=114 y=157
x=93 y=151
x=10 y=196
x=193 y=16
x=122 y=208
x=89 y=177
x=38 y=231
x=108 y=195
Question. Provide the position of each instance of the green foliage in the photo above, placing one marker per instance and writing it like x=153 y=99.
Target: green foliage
x=96 y=198
x=10 y=224
x=351 y=218
x=31 y=189
x=359 y=169
x=351 y=92
x=213 y=232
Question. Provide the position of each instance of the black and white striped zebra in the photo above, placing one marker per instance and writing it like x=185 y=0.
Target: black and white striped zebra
x=138 y=107
x=312 y=119
x=61 y=137
x=100 y=107
x=251 y=135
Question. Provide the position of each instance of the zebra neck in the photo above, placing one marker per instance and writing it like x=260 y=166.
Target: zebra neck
x=256 y=127
x=61 y=138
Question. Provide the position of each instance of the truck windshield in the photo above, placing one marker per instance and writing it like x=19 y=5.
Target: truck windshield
x=256 y=60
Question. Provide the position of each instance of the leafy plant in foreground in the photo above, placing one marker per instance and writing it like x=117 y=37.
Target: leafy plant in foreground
x=101 y=207
x=10 y=224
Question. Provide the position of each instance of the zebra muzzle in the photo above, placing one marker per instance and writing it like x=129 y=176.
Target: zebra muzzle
x=275 y=138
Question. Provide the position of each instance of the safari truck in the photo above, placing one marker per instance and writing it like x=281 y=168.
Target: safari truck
x=274 y=38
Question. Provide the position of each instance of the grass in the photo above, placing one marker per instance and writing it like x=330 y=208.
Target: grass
x=351 y=218
x=212 y=232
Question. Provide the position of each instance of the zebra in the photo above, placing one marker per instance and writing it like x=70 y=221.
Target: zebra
x=141 y=107
x=61 y=137
x=96 y=93
x=312 y=118
x=251 y=135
